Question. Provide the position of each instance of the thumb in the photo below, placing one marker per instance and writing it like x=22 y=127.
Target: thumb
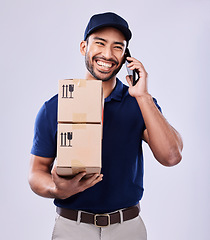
x=54 y=173
x=129 y=79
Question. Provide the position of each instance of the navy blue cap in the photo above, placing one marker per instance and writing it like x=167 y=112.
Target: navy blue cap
x=107 y=19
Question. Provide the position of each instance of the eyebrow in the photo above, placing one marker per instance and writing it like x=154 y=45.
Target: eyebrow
x=104 y=40
x=120 y=43
x=98 y=38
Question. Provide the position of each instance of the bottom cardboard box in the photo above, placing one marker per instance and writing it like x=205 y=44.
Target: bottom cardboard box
x=72 y=171
x=79 y=149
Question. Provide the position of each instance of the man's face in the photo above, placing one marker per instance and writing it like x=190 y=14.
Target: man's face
x=104 y=54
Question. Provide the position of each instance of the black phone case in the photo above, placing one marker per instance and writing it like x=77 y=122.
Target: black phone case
x=133 y=73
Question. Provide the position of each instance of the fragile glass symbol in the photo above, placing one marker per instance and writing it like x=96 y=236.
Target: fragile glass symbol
x=66 y=90
x=66 y=139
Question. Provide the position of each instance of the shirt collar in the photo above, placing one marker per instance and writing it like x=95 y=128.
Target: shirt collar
x=117 y=92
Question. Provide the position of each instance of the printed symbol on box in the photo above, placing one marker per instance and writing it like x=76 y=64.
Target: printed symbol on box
x=68 y=89
x=66 y=139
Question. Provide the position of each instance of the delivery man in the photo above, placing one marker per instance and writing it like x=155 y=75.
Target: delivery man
x=105 y=206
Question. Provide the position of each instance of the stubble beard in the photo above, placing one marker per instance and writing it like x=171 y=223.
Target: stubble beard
x=89 y=67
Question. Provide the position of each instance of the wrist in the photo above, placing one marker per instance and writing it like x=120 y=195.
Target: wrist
x=145 y=97
x=55 y=193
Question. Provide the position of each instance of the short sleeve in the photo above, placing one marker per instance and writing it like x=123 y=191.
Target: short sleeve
x=157 y=105
x=44 y=141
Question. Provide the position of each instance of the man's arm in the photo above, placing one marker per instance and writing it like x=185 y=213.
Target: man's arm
x=46 y=183
x=164 y=141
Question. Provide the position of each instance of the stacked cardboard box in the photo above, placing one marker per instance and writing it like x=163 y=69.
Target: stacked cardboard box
x=79 y=135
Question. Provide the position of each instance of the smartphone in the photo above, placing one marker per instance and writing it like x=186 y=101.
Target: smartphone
x=132 y=73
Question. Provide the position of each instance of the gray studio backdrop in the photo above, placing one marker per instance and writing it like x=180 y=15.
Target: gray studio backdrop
x=40 y=45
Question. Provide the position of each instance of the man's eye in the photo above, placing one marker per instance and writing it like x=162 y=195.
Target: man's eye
x=118 y=47
x=100 y=43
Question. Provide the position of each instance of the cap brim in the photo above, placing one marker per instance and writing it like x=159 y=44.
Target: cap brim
x=125 y=31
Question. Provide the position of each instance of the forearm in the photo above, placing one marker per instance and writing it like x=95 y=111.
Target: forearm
x=164 y=141
x=42 y=184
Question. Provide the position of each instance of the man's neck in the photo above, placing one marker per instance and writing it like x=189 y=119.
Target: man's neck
x=108 y=86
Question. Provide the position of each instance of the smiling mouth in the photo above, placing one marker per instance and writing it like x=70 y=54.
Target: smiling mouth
x=104 y=65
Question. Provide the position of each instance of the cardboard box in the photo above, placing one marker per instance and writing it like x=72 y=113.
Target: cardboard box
x=80 y=101
x=79 y=148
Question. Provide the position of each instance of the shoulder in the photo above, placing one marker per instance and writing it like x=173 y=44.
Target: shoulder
x=48 y=111
x=52 y=102
x=45 y=128
x=51 y=106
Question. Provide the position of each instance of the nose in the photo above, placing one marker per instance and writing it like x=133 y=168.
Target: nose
x=107 y=53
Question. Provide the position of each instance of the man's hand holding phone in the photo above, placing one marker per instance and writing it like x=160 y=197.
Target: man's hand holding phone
x=140 y=88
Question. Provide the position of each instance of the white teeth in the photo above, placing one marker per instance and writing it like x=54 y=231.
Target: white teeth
x=103 y=64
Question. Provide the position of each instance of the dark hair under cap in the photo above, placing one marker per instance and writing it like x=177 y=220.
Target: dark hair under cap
x=107 y=19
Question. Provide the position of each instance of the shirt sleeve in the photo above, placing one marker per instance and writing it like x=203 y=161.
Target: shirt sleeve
x=157 y=105
x=44 y=141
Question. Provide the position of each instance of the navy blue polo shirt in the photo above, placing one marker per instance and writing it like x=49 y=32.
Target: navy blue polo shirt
x=122 y=158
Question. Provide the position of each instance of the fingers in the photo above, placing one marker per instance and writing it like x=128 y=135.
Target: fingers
x=79 y=176
x=132 y=59
x=95 y=178
x=135 y=64
x=129 y=79
x=90 y=182
x=138 y=67
x=98 y=179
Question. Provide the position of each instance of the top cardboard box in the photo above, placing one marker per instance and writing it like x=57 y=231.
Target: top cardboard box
x=80 y=101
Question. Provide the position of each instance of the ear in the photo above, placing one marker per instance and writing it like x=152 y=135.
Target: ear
x=83 y=47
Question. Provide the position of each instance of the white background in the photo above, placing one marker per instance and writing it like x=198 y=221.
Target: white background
x=39 y=45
